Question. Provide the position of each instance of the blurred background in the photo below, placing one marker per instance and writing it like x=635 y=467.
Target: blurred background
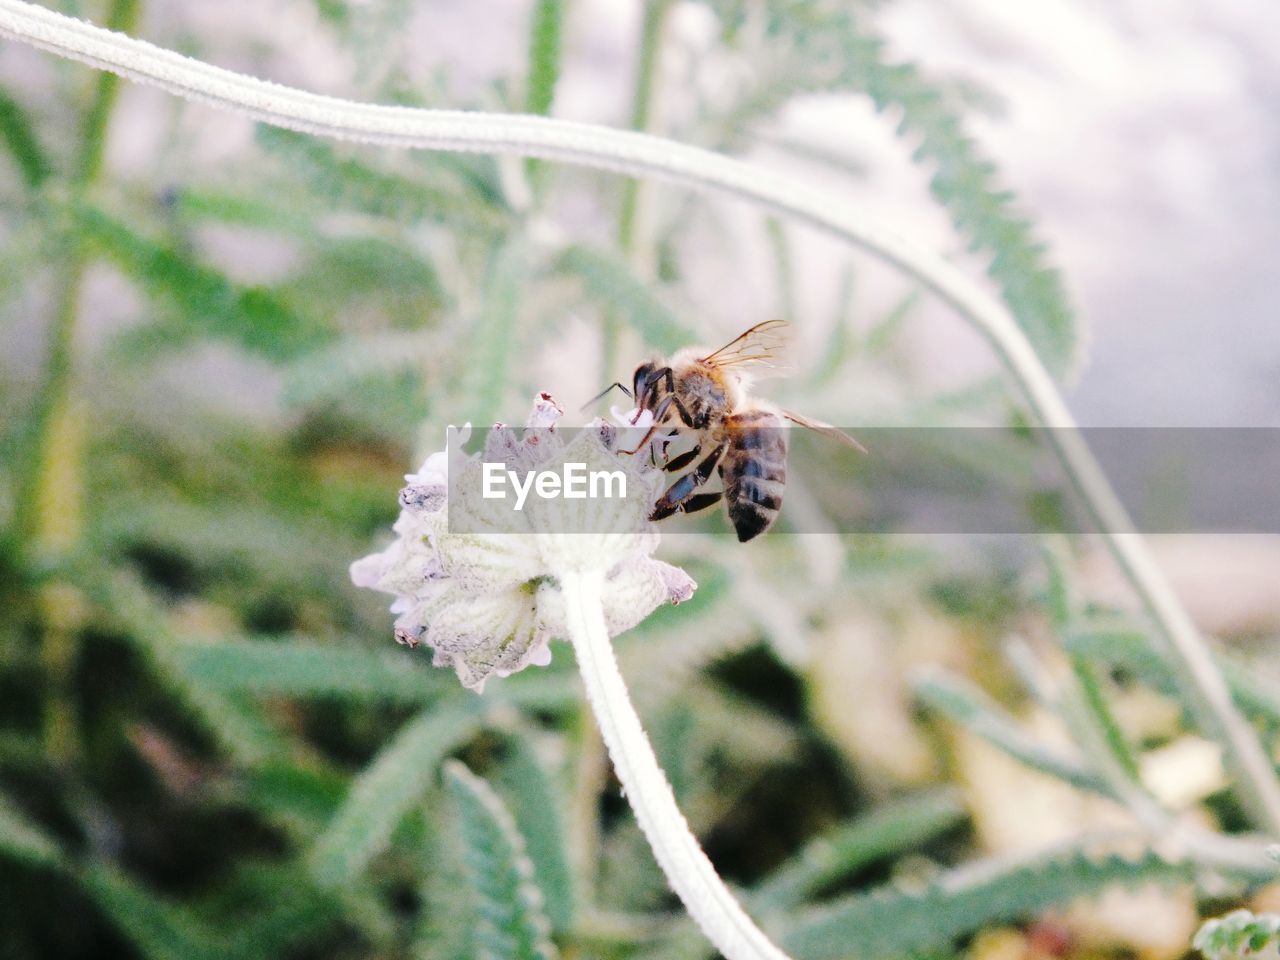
x=225 y=344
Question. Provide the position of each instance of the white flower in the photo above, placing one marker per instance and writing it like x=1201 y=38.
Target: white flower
x=480 y=584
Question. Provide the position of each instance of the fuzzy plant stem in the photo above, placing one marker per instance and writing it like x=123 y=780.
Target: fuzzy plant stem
x=638 y=154
x=676 y=849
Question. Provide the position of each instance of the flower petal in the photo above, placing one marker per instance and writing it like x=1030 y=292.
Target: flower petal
x=482 y=635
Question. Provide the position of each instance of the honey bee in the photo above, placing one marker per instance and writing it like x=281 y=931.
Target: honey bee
x=708 y=394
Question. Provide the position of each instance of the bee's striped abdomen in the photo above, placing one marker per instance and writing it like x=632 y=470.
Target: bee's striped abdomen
x=754 y=470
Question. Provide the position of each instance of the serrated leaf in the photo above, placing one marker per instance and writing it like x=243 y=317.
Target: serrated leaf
x=206 y=302
x=309 y=670
x=386 y=790
x=160 y=930
x=825 y=48
x=1129 y=648
x=965 y=183
x=607 y=280
x=888 y=831
x=280 y=922
x=19 y=135
x=300 y=798
x=536 y=806
x=893 y=923
x=21 y=839
x=235 y=721
x=1239 y=935
x=544 y=55
x=510 y=924
x=346 y=181
x=340 y=269
x=493 y=342
x=243 y=209
x=336 y=369
x=969 y=707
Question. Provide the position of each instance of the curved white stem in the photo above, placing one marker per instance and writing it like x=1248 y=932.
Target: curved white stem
x=643 y=155
x=691 y=874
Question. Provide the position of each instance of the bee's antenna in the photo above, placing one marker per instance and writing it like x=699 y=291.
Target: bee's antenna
x=604 y=393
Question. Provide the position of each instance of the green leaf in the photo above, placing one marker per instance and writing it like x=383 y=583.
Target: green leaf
x=279 y=924
x=160 y=930
x=893 y=923
x=19 y=135
x=378 y=380
x=301 y=798
x=544 y=55
x=244 y=209
x=20 y=839
x=511 y=924
x=345 y=181
x=965 y=183
x=1130 y=648
x=385 y=791
x=346 y=269
x=969 y=707
x=207 y=303
x=493 y=344
x=886 y=832
x=333 y=12
x=828 y=50
x=237 y=723
x=1060 y=598
x=837 y=348
x=607 y=280
x=537 y=805
x=1239 y=935
x=309 y=670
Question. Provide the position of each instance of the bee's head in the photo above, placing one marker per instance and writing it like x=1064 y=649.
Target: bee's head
x=641 y=388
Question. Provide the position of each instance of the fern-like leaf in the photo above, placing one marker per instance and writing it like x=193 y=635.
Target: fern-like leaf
x=536 y=805
x=239 y=726
x=159 y=929
x=384 y=792
x=893 y=923
x=511 y=924
x=308 y=670
x=342 y=180
x=1129 y=648
x=888 y=831
x=20 y=839
x=335 y=370
x=544 y=55
x=206 y=302
x=1239 y=935
x=831 y=51
x=493 y=342
x=18 y=134
x=964 y=704
x=966 y=184
x=608 y=281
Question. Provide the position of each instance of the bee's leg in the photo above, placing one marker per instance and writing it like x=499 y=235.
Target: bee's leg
x=647 y=437
x=659 y=412
x=683 y=460
x=654 y=451
x=682 y=490
x=700 y=501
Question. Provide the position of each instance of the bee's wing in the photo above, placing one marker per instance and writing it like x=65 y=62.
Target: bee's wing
x=826 y=429
x=760 y=346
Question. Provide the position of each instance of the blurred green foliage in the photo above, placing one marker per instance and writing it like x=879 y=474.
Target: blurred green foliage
x=209 y=746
